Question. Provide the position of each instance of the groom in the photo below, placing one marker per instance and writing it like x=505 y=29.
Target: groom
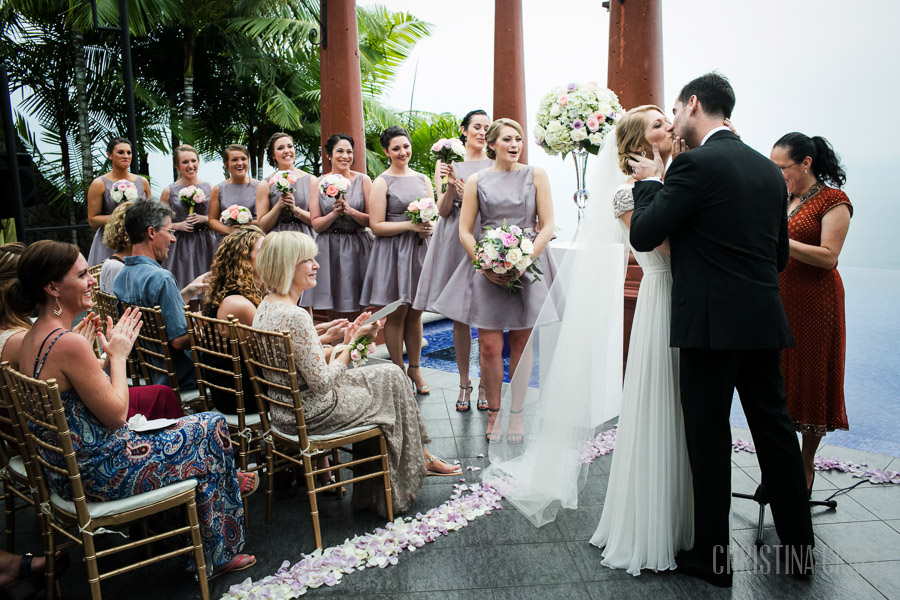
x=723 y=208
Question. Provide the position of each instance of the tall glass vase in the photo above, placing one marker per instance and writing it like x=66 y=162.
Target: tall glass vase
x=580 y=155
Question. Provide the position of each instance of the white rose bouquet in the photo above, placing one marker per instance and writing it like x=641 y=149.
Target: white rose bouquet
x=235 y=216
x=505 y=249
x=191 y=196
x=422 y=210
x=123 y=190
x=448 y=151
x=334 y=186
x=283 y=181
x=576 y=116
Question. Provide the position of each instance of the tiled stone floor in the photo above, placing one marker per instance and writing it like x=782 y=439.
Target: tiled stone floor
x=502 y=556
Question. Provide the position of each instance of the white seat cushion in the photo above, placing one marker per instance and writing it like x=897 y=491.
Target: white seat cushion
x=189 y=395
x=251 y=419
x=324 y=437
x=114 y=507
x=17 y=466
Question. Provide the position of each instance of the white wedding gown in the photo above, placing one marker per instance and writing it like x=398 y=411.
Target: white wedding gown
x=648 y=514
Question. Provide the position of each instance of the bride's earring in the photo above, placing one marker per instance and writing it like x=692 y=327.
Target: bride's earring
x=58 y=310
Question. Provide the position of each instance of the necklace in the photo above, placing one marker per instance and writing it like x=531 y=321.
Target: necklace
x=804 y=198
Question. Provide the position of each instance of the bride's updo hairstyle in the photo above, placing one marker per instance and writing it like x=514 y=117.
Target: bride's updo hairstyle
x=631 y=137
x=826 y=165
x=493 y=134
x=41 y=263
x=279 y=255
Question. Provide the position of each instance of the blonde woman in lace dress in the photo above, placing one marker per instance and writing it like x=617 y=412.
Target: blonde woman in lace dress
x=337 y=398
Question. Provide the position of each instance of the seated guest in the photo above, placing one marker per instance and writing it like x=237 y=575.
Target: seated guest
x=152 y=401
x=143 y=282
x=116 y=462
x=335 y=398
x=115 y=238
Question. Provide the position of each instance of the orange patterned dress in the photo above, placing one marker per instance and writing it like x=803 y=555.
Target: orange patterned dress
x=814 y=302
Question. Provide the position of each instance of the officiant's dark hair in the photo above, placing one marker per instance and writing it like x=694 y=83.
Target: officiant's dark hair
x=468 y=119
x=714 y=92
x=826 y=165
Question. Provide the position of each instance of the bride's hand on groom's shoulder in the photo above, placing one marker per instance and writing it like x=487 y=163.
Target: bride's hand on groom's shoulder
x=643 y=167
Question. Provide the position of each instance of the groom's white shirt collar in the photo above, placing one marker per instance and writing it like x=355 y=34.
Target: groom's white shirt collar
x=713 y=131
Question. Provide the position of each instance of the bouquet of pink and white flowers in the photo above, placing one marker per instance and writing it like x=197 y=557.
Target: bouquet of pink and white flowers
x=191 y=196
x=123 y=190
x=506 y=249
x=576 y=116
x=235 y=216
x=334 y=186
x=360 y=349
x=283 y=181
x=448 y=151
x=422 y=210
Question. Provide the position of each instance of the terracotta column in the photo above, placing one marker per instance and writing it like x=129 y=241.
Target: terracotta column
x=635 y=74
x=341 y=103
x=509 y=65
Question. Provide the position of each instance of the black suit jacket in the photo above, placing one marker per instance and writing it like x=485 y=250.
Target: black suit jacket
x=723 y=208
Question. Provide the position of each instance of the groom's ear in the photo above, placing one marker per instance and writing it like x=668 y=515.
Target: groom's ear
x=692 y=105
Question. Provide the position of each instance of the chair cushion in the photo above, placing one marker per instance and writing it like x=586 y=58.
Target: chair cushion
x=114 y=507
x=17 y=466
x=189 y=395
x=250 y=419
x=325 y=437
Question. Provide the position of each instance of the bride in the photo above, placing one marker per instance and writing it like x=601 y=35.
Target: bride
x=648 y=510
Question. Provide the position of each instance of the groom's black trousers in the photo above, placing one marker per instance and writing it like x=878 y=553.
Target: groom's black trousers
x=708 y=379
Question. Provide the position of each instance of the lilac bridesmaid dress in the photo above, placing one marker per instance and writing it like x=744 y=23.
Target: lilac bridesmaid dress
x=469 y=297
x=242 y=194
x=287 y=221
x=99 y=252
x=395 y=264
x=446 y=252
x=344 y=250
x=192 y=253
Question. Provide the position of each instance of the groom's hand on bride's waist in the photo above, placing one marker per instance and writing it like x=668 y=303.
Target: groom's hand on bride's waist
x=643 y=167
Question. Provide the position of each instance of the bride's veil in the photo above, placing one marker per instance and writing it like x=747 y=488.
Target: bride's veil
x=570 y=375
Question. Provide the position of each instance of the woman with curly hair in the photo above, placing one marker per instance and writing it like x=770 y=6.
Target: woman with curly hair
x=116 y=238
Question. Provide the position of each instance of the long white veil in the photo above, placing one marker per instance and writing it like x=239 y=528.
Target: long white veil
x=569 y=380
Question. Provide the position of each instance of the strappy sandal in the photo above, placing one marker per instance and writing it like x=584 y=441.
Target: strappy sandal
x=247 y=483
x=456 y=472
x=482 y=398
x=464 y=402
x=238 y=563
x=491 y=436
x=424 y=391
x=515 y=438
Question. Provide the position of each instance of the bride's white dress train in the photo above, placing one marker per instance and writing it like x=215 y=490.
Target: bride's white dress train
x=648 y=512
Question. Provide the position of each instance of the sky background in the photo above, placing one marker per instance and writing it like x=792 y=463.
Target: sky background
x=823 y=67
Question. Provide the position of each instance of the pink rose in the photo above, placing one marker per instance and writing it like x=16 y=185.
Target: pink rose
x=331 y=191
x=593 y=123
x=562 y=100
x=600 y=116
x=438 y=146
x=355 y=355
x=413 y=206
x=370 y=348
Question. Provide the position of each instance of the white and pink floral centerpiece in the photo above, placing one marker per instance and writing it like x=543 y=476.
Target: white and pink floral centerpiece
x=422 y=210
x=576 y=116
x=506 y=249
x=123 y=190
x=191 y=196
x=235 y=216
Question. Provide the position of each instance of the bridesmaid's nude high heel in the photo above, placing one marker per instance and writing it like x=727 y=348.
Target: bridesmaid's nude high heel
x=425 y=390
x=493 y=437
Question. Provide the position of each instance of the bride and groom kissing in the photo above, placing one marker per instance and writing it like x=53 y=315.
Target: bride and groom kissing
x=711 y=236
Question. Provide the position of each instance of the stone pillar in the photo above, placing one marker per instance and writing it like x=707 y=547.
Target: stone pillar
x=341 y=103
x=635 y=74
x=509 y=66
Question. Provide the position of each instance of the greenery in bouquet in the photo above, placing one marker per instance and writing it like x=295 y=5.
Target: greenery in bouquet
x=574 y=116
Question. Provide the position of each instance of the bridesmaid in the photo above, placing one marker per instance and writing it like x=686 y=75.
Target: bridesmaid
x=399 y=251
x=446 y=253
x=100 y=203
x=195 y=243
x=286 y=212
x=516 y=195
x=344 y=242
x=239 y=188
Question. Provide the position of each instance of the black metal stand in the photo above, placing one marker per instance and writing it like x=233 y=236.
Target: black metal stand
x=761 y=498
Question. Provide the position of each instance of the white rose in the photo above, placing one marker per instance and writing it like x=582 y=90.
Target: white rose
x=555 y=110
x=492 y=234
x=605 y=108
x=524 y=263
x=554 y=126
x=499 y=269
x=342 y=184
x=131 y=192
x=458 y=148
x=538 y=134
x=527 y=246
x=514 y=255
x=428 y=214
x=596 y=138
x=578 y=135
x=243 y=217
x=491 y=252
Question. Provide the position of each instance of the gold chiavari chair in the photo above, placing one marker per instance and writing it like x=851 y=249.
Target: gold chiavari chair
x=13 y=471
x=270 y=362
x=49 y=447
x=107 y=305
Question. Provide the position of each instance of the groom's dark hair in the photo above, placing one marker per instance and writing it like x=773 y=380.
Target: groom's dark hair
x=714 y=92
